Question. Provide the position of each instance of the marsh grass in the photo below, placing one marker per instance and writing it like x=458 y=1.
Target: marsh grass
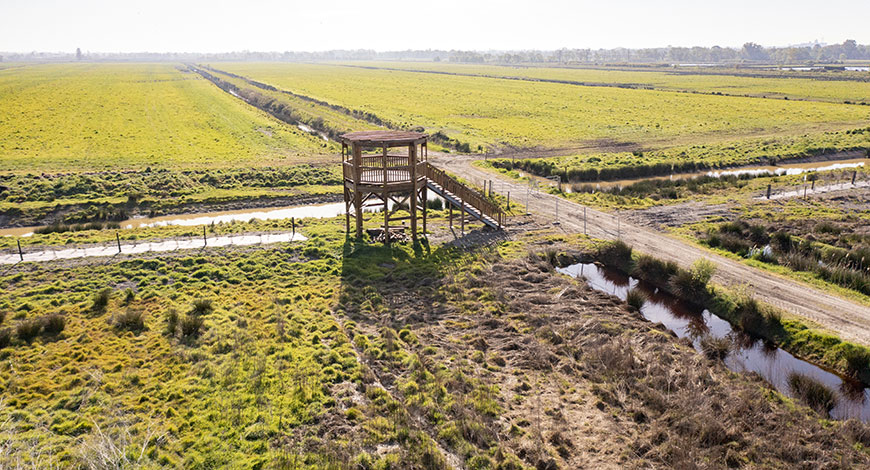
x=132 y=319
x=101 y=300
x=27 y=330
x=715 y=348
x=636 y=298
x=53 y=323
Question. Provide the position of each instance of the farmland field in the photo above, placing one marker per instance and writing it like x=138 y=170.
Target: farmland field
x=66 y=117
x=834 y=87
x=494 y=113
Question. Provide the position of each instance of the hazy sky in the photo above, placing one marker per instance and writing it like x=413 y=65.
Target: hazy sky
x=313 y=25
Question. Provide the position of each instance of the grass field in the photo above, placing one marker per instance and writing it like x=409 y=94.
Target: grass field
x=605 y=166
x=837 y=91
x=68 y=117
x=494 y=113
x=332 y=354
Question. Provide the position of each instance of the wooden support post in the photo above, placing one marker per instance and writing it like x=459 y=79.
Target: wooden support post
x=357 y=196
x=204 y=239
x=118 y=238
x=20 y=253
x=293 y=225
x=450 y=214
x=854 y=175
x=386 y=203
x=412 y=162
x=508 y=200
x=768 y=191
x=813 y=187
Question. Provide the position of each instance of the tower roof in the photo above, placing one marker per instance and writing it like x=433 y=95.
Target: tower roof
x=384 y=138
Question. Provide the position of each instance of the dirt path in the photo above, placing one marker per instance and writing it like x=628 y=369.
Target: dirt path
x=848 y=319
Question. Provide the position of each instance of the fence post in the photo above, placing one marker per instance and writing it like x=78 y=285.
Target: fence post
x=204 y=240
x=20 y=253
x=813 y=187
x=293 y=224
x=768 y=191
x=118 y=239
x=508 y=200
x=854 y=174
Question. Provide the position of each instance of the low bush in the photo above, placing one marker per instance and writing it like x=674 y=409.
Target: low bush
x=171 y=322
x=654 y=270
x=635 y=298
x=190 y=326
x=715 y=348
x=26 y=330
x=53 y=324
x=101 y=300
x=202 y=307
x=132 y=319
x=618 y=255
x=857 y=360
x=5 y=337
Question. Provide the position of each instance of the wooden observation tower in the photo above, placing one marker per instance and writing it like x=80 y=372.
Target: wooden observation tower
x=384 y=169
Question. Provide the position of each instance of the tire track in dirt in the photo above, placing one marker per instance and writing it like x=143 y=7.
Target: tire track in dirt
x=848 y=319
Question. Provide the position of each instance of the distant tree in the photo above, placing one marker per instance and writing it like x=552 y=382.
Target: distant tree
x=850 y=48
x=78 y=53
x=753 y=51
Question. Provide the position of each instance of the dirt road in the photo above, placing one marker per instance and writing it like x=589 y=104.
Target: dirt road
x=851 y=321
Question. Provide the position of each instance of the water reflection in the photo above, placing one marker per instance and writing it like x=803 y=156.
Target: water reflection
x=145 y=247
x=747 y=354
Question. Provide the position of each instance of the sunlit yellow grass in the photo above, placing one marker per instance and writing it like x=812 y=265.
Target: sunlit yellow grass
x=115 y=116
x=490 y=112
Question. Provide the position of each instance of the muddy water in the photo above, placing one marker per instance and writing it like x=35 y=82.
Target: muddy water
x=145 y=247
x=207 y=218
x=746 y=354
x=317 y=211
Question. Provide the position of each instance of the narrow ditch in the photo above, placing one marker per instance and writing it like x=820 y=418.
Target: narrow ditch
x=744 y=353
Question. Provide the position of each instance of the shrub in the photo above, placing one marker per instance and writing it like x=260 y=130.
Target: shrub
x=101 y=300
x=2 y=316
x=131 y=320
x=715 y=348
x=616 y=254
x=5 y=337
x=202 y=306
x=53 y=324
x=191 y=326
x=26 y=330
x=635 y=298
x=551 y=256
x=654 y=270
x=129 y=295
x=702 y=271
x=857 y=360
x=171 y=322
x=812 y=392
